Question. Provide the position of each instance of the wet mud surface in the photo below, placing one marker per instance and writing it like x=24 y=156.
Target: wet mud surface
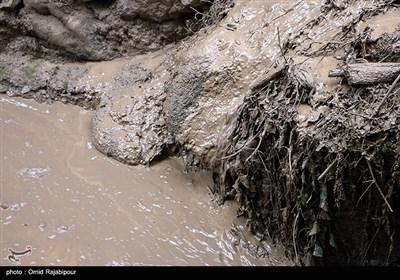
x=75 y=206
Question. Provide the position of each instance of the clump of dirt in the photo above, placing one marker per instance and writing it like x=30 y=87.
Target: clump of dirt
x=320 y=170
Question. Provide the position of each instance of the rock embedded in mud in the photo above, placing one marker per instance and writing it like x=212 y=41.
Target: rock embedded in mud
x=98 y=30
x=25 y=89
x=129 y=129
x=129 y=125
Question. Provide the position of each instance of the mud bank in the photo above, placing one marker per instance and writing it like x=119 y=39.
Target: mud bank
x=311 y=159
x=75 y=206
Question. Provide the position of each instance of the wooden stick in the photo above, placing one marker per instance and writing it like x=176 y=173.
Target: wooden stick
x=379 y=189
x=327 y=170
x=367 y=73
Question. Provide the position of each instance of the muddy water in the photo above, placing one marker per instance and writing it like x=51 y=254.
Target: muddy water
x=74 y=206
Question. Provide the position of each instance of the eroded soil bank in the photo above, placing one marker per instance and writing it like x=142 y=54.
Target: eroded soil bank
x=263 y=96
x=75 y=206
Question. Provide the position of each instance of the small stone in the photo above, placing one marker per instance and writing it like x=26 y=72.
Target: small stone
x=42 y=226
x=3 y=206
x=25 y=89
x=51 y=237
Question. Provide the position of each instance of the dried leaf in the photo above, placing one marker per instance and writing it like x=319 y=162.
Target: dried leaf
x=304 y=164
x=245 y=181
x=323 y=204
x=285 y=214
x=318 y=251
x=332 y=240
x=315 y=229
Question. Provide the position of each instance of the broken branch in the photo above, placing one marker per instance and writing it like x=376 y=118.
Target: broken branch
x=327 y=170
x=367 y=73
x=377 y=186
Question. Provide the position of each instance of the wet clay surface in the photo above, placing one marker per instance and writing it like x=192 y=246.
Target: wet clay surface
x=75 y=206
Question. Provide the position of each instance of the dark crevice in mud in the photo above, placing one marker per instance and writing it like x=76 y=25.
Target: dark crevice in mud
x=211 y=15
x=191 y=162
x=101 y=3
x=20 y=6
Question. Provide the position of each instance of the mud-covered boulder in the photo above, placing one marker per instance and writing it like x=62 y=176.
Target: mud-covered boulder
x=209 y=81
x=291 y=145
x=129 y=129
x=98 y=29
x=128 y=125
x=73 y=35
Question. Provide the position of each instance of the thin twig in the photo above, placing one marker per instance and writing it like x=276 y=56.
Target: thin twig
x=235 y=153
x=369 y=245
x=200 y=13
x=241 y=148
x=360 y=115
x=281 y=15
x=327 y=170
x=272 y=74
x=262 y=161
x=290 y=154
x=377 y=186
x=280 y=46
x=387 y=94
x=259 y=144
x=359 y=199
x=294 y=237
x=390 y=248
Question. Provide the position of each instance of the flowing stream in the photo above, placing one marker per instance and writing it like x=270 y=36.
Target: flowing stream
x=74 y=206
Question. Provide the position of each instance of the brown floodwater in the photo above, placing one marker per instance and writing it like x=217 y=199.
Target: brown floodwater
x=75 y=206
